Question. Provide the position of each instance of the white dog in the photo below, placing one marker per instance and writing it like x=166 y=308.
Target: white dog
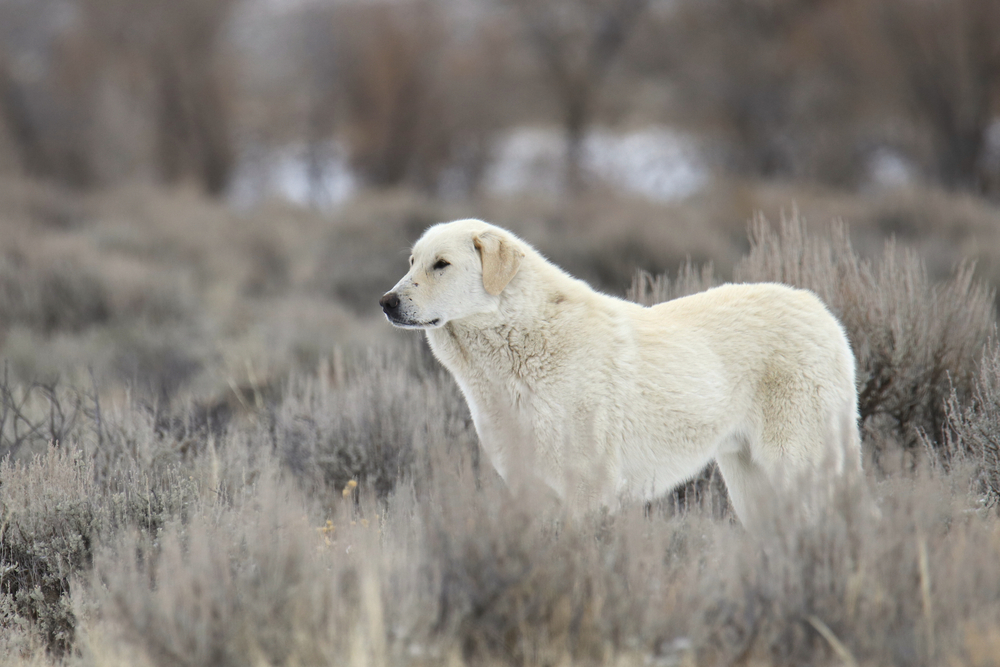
x=603 y=398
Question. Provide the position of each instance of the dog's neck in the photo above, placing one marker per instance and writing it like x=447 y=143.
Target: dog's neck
x=465 y=344
x=516 y=336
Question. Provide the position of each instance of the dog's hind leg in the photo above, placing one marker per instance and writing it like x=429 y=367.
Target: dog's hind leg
x=750 y=486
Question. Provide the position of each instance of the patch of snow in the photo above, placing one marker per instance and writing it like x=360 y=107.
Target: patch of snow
x=656 y=162
x=321 y=178
x=890 y=169
x=991 y=153
x=527 y=160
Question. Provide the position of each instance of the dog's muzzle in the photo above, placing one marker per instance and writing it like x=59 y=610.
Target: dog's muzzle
x=390 y=306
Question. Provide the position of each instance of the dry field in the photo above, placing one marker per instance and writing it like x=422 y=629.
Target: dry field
x=220 y=455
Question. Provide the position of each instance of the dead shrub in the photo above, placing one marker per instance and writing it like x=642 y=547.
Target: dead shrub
x=49 y=528
x=107 y=473
x=36 y=414
x=234 y=581
x=192 y=546
x=516 y=584
x=649 y=289
x=513 y=580
x=55 y=509
x=974 y=429
x=375 y=423
x=50 y=299
x=156 y=364
x=820 y=591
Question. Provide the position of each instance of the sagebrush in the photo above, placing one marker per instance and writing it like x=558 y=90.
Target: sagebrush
x=343 y=516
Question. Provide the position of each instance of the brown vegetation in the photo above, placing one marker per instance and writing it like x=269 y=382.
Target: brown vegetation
x=577 y=43
x=346 y=516
x=130 y=87
x=809 y=90
x=214 y=451
x=416 y=92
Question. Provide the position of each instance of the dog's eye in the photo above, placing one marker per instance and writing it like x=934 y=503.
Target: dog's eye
x=411 y=260
x=440 y=264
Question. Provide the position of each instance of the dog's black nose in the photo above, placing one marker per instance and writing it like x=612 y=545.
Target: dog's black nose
x=389 y=302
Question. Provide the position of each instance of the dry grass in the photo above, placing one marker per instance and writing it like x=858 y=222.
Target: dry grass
x=174 y=294
x=228 y=557
x=974 y=429
x=293 y=502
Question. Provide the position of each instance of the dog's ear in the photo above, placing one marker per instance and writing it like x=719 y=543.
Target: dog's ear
x=500 y=260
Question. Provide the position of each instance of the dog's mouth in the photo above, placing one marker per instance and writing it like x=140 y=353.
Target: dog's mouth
x=404 y=323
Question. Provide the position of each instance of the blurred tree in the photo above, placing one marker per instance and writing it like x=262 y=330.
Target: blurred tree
x=61 y=61
x=409 y=97
x=169 y=52
x=948 y=54
x=760 y=74
x=321 y=63
x=390 y=58
x=44 y=107
x=807 y=88
x=24 y=134
x=577 y=42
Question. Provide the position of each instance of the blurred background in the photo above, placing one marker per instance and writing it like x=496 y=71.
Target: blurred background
x=197 y=196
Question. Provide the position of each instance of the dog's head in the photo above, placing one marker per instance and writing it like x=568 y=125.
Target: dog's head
x=457 y=269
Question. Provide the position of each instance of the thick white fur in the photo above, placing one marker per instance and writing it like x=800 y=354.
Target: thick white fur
x=603 y=398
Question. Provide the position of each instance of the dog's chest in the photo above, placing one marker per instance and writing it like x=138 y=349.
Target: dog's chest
x=503 y=372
